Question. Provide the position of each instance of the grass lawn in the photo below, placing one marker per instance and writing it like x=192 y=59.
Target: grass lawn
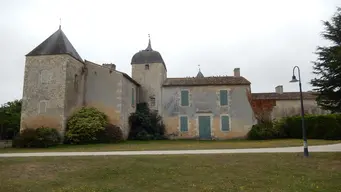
x=175 y=145
x=192 y=173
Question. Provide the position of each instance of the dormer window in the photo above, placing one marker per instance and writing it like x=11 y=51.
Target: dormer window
x=146 y=67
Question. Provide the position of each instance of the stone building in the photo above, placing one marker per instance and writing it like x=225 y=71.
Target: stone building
x=57 y=81
x=279 y=104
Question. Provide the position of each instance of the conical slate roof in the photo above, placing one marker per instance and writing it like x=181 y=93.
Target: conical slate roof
x=147 y=56
x=200 y=75
x=56 y=44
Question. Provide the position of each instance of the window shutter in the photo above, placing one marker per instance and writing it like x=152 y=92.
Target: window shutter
x=132 y=97
x=183 y=124
x=184 y=98
x=225 y=123
x=223 y=97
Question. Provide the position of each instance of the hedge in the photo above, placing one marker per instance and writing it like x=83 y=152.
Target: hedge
x=317 y=127
x=37 y=138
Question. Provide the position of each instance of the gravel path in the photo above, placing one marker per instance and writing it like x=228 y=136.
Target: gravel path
x=319 y=148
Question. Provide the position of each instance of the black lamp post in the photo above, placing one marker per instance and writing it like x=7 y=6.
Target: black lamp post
x=294 y=80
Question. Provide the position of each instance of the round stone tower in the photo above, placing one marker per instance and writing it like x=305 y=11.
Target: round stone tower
x=149 y=70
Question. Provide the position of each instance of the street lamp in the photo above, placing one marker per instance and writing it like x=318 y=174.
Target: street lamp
x=294 y=80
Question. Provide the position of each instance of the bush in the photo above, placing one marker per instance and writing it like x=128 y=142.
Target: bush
x=266 y=130
x=37 y=138
x=10 y=113
x=84 y=126
x=317 y=126
x=145 y=124
x=111 y=134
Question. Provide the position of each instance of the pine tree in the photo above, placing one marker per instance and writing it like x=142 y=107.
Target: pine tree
x=327 y=67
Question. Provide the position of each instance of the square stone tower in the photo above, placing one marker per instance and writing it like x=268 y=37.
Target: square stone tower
x=53 y=83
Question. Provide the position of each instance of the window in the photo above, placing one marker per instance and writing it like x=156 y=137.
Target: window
x=42 y=107
x=183 y=123
x=225 y=123
x=184 y=98
x=76 y=82
x=146 y=67
x=152 y=101
x=223 y=98
x=132 y=97
x=45 y=76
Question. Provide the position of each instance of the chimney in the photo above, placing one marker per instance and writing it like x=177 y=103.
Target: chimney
x=236 y=72
x=279 y=89
x=110 y=66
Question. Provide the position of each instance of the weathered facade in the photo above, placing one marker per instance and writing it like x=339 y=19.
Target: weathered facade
x=58 y=82
x=279 y=104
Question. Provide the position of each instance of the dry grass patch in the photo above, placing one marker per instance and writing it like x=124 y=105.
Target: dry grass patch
x=228 y=172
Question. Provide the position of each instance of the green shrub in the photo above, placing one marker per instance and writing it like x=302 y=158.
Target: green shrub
x=84 y=126
x=146 y=124
x=26 y=138
x=317 y=126
x=10 y=113
x=37 y=138
x=265 y=131
x=47 y=137
x=111 y=134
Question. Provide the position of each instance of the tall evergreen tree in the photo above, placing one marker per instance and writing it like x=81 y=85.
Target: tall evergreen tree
x=327 y=67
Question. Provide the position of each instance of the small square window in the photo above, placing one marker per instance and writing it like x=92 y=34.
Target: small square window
x=146 y=67
x=152 y=101
x=42 y=106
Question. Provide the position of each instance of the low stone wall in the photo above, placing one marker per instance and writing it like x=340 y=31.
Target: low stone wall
x=5 y=143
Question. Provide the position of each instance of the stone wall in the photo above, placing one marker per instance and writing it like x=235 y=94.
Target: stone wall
x=75 y=81
x=128 y=88
x=103 y=90
x=110 y=92
x=151 y=81
x=285 y=108
x=44 y=91
x=204 y=100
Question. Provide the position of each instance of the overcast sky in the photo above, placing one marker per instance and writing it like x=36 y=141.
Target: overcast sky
x=264 y=38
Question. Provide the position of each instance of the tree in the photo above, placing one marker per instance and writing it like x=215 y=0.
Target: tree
x=10 y=114
x=328 y=66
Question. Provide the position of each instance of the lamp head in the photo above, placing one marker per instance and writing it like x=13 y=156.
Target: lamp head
x=294 y=79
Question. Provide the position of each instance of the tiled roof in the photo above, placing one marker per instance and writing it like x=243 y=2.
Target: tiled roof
x=193 y=81
x=56 y=44
x=284 y=96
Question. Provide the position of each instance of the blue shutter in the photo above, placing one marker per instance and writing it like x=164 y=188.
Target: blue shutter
x=183 y=124
x=184 y=98
x=225 y=123
x=132 y=97
x=223 y=97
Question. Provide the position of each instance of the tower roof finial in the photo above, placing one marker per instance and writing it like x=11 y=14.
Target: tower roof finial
x=199 y=75
x=60 y=23
x=149 y=48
